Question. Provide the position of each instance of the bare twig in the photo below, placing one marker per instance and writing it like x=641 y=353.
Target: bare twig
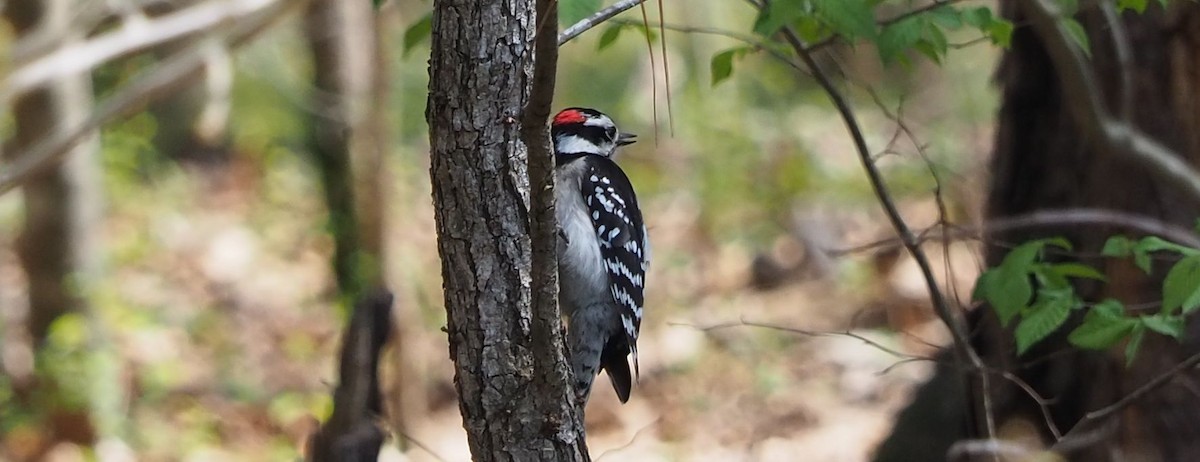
x=744 y=38
x=1078 y=83
x=1043 y=403
x=594 y=20
x=949 y=317
x=153 y=84
x=1124 y=55
x=808 y=333
x=1065 y=217
x=632 y=440
x=422 y=446
x=131 y=37
x=545 y=330
x=1095 y=419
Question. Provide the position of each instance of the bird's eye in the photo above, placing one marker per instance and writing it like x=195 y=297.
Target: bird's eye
x=611 y=133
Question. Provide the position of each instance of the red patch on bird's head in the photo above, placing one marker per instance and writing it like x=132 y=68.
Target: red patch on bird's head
x=569 y=116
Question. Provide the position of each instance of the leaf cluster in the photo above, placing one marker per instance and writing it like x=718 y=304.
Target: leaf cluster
x=920 y=31
x=1040 y=297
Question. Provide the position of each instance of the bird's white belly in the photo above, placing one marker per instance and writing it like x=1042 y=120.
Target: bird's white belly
x=583 y=279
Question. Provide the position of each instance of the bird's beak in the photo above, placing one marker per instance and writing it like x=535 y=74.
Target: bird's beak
x=626 y=138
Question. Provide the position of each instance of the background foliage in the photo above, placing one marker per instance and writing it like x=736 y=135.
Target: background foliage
x=219 y=303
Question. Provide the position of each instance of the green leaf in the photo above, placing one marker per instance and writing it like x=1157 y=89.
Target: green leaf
x=1008 y=288
x=1108 y=308
x=418 y=32
x=1076 y=270
x=1155 y=244
x=1078 y=35
x=930 y=50
x=981 y=291
x=810 y=29
x=1135 y=343
x=937 y=42
x=722 y=65
x=1171 y=326
x=898 y=38
x=1181 y=288
x=1060 y=242
x=946 y=17
x=1103 y=326
x=998 y=29
x=1117 y=246
x=779 y=13
x=1136 y=5
x=1049 y=279
x=649 y=33
x=851 y=18
x=1023 y=255
x=1009 y=291
x=572 y=11
x=609 y=37
x=1044 y=319
x=1001 y=32
x=979 y=17
x=1064 y=294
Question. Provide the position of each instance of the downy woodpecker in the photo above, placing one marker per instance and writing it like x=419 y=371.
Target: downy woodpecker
x=603 y=251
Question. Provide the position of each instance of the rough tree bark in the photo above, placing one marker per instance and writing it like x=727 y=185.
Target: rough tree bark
x=1042 y=161
x=510 y=369
x=57 y=247
x=343 y=134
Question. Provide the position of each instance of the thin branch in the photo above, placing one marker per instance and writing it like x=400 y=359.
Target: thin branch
x=153 y=84
x=550 y=352
x=594 y=20
x=632 y=440
x=744 y=38
x=1094 y=419
x=131 y=37
x=1124 y=54
x=1078 y=83
x=422 y=446
x=949 y=317
x=808 y=333
x=1043 y=403
x=1055 y=217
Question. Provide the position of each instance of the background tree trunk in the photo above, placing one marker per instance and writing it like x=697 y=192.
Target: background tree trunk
x=58 y=246
x=1042 y=161
x=343 y=134
x=510 y=371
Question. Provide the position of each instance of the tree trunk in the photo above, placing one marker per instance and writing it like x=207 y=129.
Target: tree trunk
x=342 y=134
x=1042 y=161
x=57 y=247
x=510 y=369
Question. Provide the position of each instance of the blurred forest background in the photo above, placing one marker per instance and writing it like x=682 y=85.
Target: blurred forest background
x=202 y=314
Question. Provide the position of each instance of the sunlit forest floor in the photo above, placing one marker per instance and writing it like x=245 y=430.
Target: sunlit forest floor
x=221 y=323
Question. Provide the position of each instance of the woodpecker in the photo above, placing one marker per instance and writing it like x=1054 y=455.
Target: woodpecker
x=603 y=251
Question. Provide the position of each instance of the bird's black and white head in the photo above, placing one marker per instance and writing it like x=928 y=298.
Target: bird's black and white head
x=578 y=130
